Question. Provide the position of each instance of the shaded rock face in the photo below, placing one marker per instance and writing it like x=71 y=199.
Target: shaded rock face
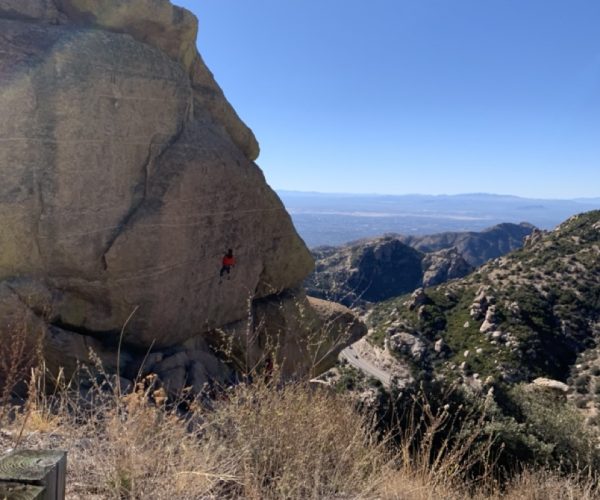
x=381 y=268
x=126 y=175
x=366 y=271
x=378 y=269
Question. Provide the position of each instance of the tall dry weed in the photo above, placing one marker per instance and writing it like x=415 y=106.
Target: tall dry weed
x=295 y=441
x=547 y=484
x=20 y=351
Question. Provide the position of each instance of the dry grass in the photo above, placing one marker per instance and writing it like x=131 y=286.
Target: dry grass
x=19 y=352
x=261 y=441
x=545 y=485
x=119 y=447
x=530 y=485
x=296 y=442
x=257 y=441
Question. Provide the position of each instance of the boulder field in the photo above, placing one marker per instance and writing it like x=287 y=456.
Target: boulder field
x=125 y=176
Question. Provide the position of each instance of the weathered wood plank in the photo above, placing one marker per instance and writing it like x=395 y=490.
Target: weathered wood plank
x=45 y=468
x=17 y=491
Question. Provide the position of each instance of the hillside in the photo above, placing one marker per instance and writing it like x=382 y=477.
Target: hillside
x=475 y=247
x=377 y=269
x=532 y=313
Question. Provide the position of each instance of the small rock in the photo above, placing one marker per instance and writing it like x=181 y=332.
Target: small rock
x=198 y=376
x=177 y=360
x=486 y=326
x=467 y=324
x=152 y=360
x=405 y=343
x=466 y=354
x=476 y=313
x=174 y=380
x=417 y=299
x=491 y=315
x=551 y=384
x=480 y=304
x=479 y=350
x=439 y=346
x=514 y=308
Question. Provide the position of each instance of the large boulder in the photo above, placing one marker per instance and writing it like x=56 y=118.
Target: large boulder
x=125 y=175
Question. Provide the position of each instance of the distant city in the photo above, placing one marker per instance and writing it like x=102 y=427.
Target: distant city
x=334 y=219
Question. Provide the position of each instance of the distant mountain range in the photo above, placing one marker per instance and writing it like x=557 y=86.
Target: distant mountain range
x=335 y=219
x=377 y=269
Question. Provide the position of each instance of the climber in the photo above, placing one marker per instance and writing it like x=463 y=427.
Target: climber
x=228 y=263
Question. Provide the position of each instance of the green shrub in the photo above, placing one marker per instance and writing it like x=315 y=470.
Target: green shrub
x=553 y=430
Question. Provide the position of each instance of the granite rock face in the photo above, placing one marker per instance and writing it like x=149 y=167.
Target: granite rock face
x=173 y=30
x=444 y=265
x=366 y=271
x=377 y=269
x=125 y=176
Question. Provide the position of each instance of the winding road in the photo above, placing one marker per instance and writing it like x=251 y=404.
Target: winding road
x=354 y=359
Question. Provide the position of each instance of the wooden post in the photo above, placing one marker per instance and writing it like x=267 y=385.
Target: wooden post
x=42 y=468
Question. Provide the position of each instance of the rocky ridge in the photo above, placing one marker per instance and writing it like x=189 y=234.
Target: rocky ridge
x=534 y=313
x=373 y=270
x=475 y=247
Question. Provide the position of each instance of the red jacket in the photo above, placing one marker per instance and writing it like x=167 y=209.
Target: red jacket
x=228 y=261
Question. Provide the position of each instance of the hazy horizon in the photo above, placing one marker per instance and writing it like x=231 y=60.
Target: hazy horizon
x=414 y=96
x=333 y=219
x=500 y=195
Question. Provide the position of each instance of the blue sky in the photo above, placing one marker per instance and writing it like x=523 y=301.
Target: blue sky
x=419 y=96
